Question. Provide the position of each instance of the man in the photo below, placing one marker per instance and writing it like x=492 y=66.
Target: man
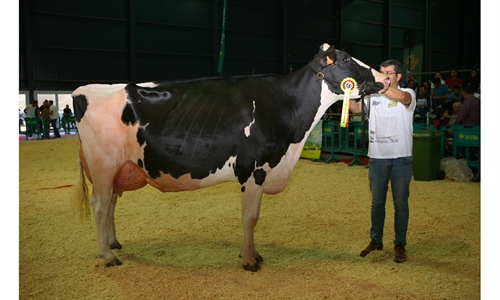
x=453 y=80
x=470 y=111
x=54 y=116
x=439 y=94
x=66 y=114
x=437 y=75
x=423 y=103
x=45 y=114
x=390 y=152
x=32 y=111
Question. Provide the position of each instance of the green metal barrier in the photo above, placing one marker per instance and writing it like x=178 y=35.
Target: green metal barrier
x=352 y=141
x=33 y=126
x=337 y=139
x=468 y=136
x=332 y=140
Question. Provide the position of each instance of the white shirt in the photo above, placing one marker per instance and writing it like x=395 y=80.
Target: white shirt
x=390 y=126
x=30 y=111
x=54 y=114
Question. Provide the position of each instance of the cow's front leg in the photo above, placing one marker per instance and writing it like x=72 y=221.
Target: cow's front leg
x=251 y=197
x=113 y=241
x=101 y=202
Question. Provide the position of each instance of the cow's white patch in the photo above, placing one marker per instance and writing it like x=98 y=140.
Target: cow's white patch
x=361 y=63
x=147 y=84
x=246 y=130
x=224 y=174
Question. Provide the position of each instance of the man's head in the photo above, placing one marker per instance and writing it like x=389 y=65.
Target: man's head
x=456 y=106
x=34 y=103
x=51 y=102
x=393 y=69
x=46 y=102
x=468 y=90
x=453 y=73
x=422 y=90
x=457 y=89
x=438 y=75
x=437 y=82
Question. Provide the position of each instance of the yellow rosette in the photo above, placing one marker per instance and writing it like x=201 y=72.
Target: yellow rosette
x=348 y=85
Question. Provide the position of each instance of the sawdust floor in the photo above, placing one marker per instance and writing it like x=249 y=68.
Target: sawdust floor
x=185 y=245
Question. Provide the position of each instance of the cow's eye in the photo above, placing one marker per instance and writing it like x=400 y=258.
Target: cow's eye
x=346 y=59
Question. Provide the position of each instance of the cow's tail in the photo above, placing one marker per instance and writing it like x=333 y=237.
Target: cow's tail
x=81 y=194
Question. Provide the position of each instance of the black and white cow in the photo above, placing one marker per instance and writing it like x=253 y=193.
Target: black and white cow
x=190 y=134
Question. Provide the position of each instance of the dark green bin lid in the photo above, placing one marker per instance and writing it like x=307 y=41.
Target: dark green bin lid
x=425 y=133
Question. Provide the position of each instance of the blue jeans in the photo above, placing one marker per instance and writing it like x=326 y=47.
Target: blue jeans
x=399 y=171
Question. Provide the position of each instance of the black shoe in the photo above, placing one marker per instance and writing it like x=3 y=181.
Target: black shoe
x=371 y=247
x=399 y=253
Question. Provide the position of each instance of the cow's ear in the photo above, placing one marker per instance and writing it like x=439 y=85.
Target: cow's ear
x=330 y=57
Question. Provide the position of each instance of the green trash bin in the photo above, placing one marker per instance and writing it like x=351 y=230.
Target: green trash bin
x=427 y=146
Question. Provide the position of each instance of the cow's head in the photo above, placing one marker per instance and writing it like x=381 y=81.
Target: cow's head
x=335 y=65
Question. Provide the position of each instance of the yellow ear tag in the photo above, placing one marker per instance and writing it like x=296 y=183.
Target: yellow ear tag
x=348 y=85
x=329 y=61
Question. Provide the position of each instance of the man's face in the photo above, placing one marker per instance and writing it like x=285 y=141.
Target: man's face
x=453 y=73
x=391 y=74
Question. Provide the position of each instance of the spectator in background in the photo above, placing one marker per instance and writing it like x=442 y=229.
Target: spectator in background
x=32 y=111
x=470 y=110
x=54 y=116
x=423 y=103
x=45 y=114
x=473 y=80
x=66 y=114
x=456 y=110
x=455 y=95
x=453 y=80
x=411 y=85
x=417 y=86
x=439 y=94
x=442 y=119
x=437 y=75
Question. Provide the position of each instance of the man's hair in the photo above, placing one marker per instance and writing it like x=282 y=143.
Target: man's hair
x=398 y=68
x=469 y=90
x=436 y=80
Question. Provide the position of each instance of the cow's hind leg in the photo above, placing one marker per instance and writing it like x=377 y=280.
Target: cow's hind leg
x=113 y=241
x=102 y=204
x=250 y=198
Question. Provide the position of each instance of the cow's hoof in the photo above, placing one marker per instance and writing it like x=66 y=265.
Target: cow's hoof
x=114 y=262
x=253 y=268
x=258 y=259
x=115 y=246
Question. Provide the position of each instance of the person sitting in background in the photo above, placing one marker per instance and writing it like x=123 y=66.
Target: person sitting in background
x=442 y=119
x=456 y=110
x=414 y=78
x=453 y=80
x=439 y=94
x=470 y=110
x=423 y=103
x=437 y=75
x=473 y=80
x=411 y=85
x=455 y=95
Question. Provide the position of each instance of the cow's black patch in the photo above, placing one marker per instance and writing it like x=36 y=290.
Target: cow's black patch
x=139 y=163
x=80 y=104
x=260 y=176
x=196 y=126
